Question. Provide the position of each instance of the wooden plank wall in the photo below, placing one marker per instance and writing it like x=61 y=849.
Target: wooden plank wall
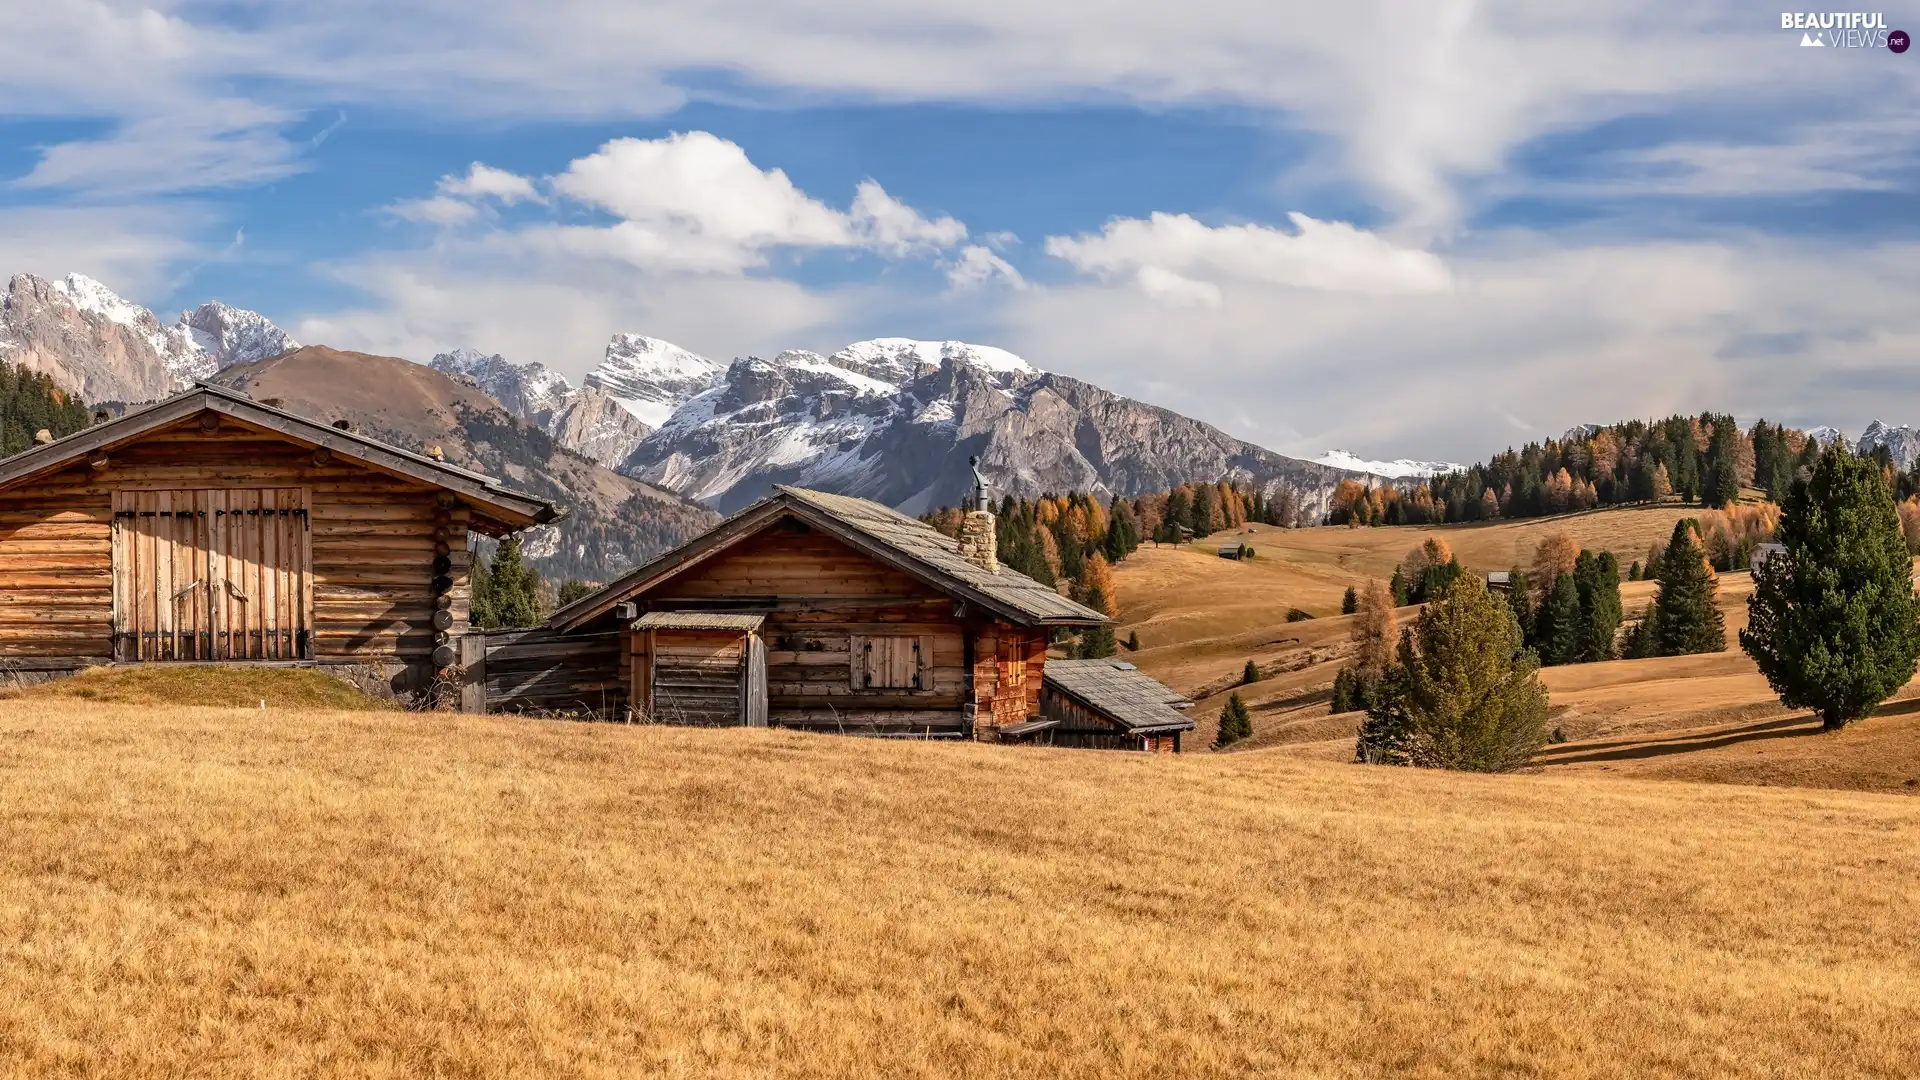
x=828 y=593
x=541 y=671
x=697 y=678
x=372 y=536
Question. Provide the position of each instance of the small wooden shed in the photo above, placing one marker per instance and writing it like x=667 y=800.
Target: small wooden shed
x=707 y=669
x=1106 y=705
x=872 y=622
x=212 y=527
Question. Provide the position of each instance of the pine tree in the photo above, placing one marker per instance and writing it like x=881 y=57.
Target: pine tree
x=1465 y=695
x=1558 y=626
x=572 y=589
x=1833 y=621
x=1684 y=618
x=1097 y=642
x=1520 y=602
x=512 y=590
x=1350 y=602
x=1133 y=641
x=1235 y=723
x=1598 y=580
x=1633 y=572
x=1250 y=674
x=1342 y=692
x=1398 y=587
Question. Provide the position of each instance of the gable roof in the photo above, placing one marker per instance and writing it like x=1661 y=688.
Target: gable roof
x=1117 y=689
x=514 y=509
x=886 y=535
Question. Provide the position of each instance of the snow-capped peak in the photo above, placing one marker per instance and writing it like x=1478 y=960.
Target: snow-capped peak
x=231 y=335
x=650 y=378
x=897 y=359
x=90 y=296
x=1399 y=469
x=1827 y=436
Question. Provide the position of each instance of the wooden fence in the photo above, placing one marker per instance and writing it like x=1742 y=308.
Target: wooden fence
x=540 y=671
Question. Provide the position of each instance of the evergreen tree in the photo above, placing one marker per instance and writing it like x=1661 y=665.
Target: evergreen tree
x=1438 y=579
x=1133 y=641
x=1684 y=618
x=1558 y=626
x=29 y=402
x=1833 y=621
x=1633 y=572
x=1235 y=723
x=1465 y=695
x=1097 y=642
x=1398 y=588
x=1598 y=580
x=1720 y=482
x=1342 y=692
x=572 y=589
x=1250 y=674
x=512 y=590
x=1349 y=602
x=1520 y=602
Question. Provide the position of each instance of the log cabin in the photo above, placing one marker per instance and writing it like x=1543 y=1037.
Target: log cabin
x=1105 y=705
x=210 y=527
x=824 y=612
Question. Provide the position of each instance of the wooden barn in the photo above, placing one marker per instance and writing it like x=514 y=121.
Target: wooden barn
x=1105 y=705
x=212 y=527
x=816 y=611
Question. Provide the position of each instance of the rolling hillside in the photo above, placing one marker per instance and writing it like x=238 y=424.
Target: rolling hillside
x=356 y=894
x=1711 y=717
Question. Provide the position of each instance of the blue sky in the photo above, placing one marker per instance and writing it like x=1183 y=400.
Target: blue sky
x=1419 y=229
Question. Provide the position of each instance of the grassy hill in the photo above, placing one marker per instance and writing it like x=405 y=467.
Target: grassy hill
x=239 y=893
x=1713 y=717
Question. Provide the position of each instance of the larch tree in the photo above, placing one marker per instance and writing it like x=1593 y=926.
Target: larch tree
x=1556 y=555
x=1374 y=631
x=1833 y=622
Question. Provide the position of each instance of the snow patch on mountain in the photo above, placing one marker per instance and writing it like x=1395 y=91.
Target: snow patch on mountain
x=1399 y=469
x=650 y=378
x=228 y=335
x=897 y=360
x=1902 y=444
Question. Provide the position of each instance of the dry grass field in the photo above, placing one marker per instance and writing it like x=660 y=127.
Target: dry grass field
x=282 y=893
x=1200 y=618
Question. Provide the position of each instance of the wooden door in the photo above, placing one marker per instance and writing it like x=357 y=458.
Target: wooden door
x=212 y=574
x=697 y=677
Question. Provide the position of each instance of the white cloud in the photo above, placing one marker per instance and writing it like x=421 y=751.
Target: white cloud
x=1173 y=257
x=128 y=247
x=486 y=182
x=976 y=266
x=695 y=202
x=225 y=143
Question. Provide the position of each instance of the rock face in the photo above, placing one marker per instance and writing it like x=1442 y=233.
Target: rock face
x=1902 y=444
x=650 y=378
x=586 y=420
x=895 y=421
x=104 y=348
x=613 y=522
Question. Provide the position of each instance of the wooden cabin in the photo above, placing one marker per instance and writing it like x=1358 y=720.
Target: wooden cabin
x=211 y=527
x=827 y=612
x=1105 y=705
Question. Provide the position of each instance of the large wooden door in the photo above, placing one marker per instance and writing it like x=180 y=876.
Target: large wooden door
x=212 y=574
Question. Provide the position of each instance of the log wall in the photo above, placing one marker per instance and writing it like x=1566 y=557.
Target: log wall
x=373 y=544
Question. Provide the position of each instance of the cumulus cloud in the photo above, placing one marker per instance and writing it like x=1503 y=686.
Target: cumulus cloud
x=486 y=182
x=976 y=266
x=693 y=201
x=1175 y=258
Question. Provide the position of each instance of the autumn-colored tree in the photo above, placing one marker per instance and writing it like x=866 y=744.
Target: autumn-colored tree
x=1662 y=482
x=1374 y=630
x=1555 y=556
x=1489 y=505
x=1096 y=578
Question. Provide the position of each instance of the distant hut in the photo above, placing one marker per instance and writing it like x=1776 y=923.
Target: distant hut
x=1231 y=551
x=1105 y=705
x=1762 y=553
x=1500 y=580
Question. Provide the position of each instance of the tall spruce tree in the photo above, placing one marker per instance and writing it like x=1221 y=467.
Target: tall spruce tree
x=1833 y=621
x=512 y=590
x=1097 y=642
x=1557 y=629
x=1684 y=618
x=1350 y=602
x=1398 y=588
x=1598 y=581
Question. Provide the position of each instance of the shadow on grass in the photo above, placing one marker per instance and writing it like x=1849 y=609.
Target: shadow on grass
x=1786 y=727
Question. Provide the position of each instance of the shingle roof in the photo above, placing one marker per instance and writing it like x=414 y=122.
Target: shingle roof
x=1135 y=700
x=887 y=535
x=515 y=509
x=925 y=544
x=697 y=620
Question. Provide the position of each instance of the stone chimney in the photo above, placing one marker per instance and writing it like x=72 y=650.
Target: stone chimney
x=979 y=542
